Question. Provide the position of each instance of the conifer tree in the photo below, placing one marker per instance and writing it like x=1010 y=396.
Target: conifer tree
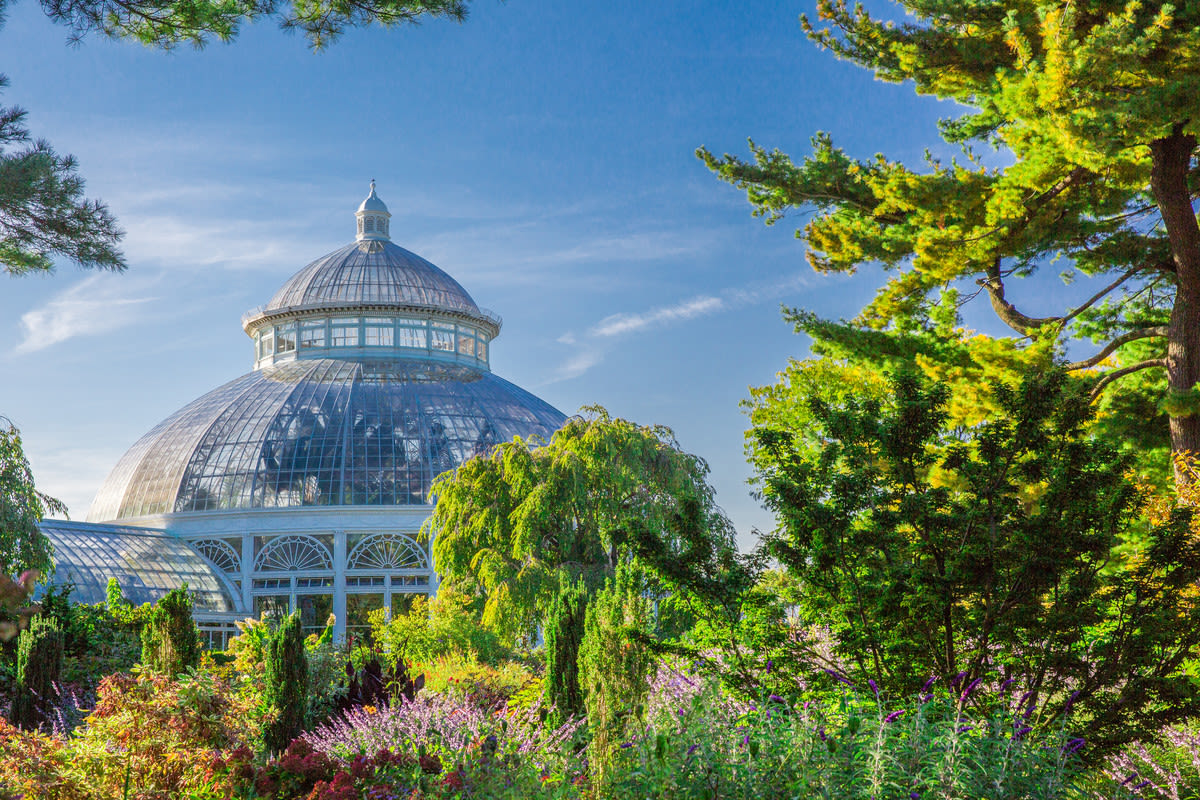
x=285 y=673
x=39 y=664
x=564 y=634
x=1094 y=102
x=170 y=641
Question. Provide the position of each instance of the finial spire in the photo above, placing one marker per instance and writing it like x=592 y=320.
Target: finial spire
x=373 y=218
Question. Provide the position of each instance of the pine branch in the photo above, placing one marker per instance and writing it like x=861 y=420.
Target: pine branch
x=1117 y=374
x=1125 y=338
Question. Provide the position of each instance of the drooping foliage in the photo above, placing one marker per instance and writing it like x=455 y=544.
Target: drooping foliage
x=564 y=635
x=39 y=665
x=926 y=549
x=170 y=641
x=513 y=523
x=285 y=683
x=23 y=546
x=614 y=663
x=1093 y=104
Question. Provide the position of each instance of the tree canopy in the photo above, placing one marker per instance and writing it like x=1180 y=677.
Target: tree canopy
x=512 y=524
x=925 y=549
x=22 y=544
x=1094 y=102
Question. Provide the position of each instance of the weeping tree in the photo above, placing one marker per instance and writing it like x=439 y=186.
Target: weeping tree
x=1094 y=103
x=517 y=523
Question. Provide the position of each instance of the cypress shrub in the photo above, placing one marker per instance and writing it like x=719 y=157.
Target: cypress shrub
x=564 y=634
x=286 y=676
x=170 y=641
x=39 y=663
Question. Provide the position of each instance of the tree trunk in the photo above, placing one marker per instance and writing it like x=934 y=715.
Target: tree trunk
x=1171 y=158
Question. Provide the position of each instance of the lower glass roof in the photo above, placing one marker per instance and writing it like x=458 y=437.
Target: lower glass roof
x=147 y=563
x=321 y=432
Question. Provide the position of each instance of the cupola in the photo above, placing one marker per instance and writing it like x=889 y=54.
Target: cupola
x=373 y=219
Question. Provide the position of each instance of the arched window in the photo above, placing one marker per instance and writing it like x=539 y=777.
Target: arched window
x=293 y=552
x=388 y=551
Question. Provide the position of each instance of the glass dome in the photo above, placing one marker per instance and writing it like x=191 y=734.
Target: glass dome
x=372 y=272
x=146 y=563
x=321 y=432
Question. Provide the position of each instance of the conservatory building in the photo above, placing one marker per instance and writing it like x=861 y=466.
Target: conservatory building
x=303 y=484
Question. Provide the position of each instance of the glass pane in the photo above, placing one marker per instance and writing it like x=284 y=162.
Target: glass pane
x=314 y=611
x=402 y=602
x=378 y=337
x=277 y=605
x=312 y=334
x=466 y=345
x=413 y=337
x=344 y=333
x=443 y=340
x=285 y=337
x=358 y=606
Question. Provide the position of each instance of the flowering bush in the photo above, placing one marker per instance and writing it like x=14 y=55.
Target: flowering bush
x=700 y=744
x=157 y=734
x=34 y=765
x=1167 y=769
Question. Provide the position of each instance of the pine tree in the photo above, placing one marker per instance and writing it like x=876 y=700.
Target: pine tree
x=564 y=634
x=286 y=676
x=39 y=664
x=1094 y=102
x=170 y=641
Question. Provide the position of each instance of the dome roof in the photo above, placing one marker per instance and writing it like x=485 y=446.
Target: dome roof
x=320 y=432
x=372 y=202
x=372 y=273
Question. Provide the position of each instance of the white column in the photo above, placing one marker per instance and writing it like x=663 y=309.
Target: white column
x=247 y=572
x=339 y=585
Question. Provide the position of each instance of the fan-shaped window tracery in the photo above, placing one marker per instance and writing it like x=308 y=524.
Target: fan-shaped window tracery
x=388 y=551
x=220 y=553
x=293 y=552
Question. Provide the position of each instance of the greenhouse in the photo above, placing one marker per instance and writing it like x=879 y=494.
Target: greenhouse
x=303 y=485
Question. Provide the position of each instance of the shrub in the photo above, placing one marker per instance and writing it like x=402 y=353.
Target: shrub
x=34 y=765
x=564 y=634
x=614 y=663
x=159 y=733
x=170 y=641
x=39 y=665
x=849 y=746
x=285 y=674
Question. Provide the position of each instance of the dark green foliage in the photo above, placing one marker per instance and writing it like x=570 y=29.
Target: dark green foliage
x=23 y=546
x=43 y=212
x=927 y=550
x=564 y=634
x=285 y=675
x=39 y=665
x=170 y=641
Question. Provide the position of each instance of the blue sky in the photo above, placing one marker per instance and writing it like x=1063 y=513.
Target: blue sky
x=541 y=153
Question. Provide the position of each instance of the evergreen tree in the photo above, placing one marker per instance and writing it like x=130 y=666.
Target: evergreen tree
x=1094 y=103
x=39 y=664
x=285 y=674
x=564 y=634
x=924 y=549
x=170 y=640
x=614 y=664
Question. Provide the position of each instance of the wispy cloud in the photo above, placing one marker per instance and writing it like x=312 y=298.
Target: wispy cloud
x=98 y=304
x=592 y=346
x=623 y=323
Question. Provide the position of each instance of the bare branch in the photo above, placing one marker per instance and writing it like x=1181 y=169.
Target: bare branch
x=1117 y=374
x=1098 y=296
x=1125 y=338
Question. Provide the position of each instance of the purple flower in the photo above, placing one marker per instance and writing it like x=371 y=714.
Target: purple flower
x=839 y=678
x=625 y=745
x=874 y=688
x=775 y=698
x=1007 y=683
x=1070 y=702
x=892 y=717
x=1141 y=785
x=691 y=750
x=1021 y=731
x=956 y=679
x=928 y=683
x=770 y=665
x=746 y=740
x=753 y=707
x=821 y=733
x=1131 y=777
x=914 y=795
x=963 y=728
x=970 y=688
x=1073 y=745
